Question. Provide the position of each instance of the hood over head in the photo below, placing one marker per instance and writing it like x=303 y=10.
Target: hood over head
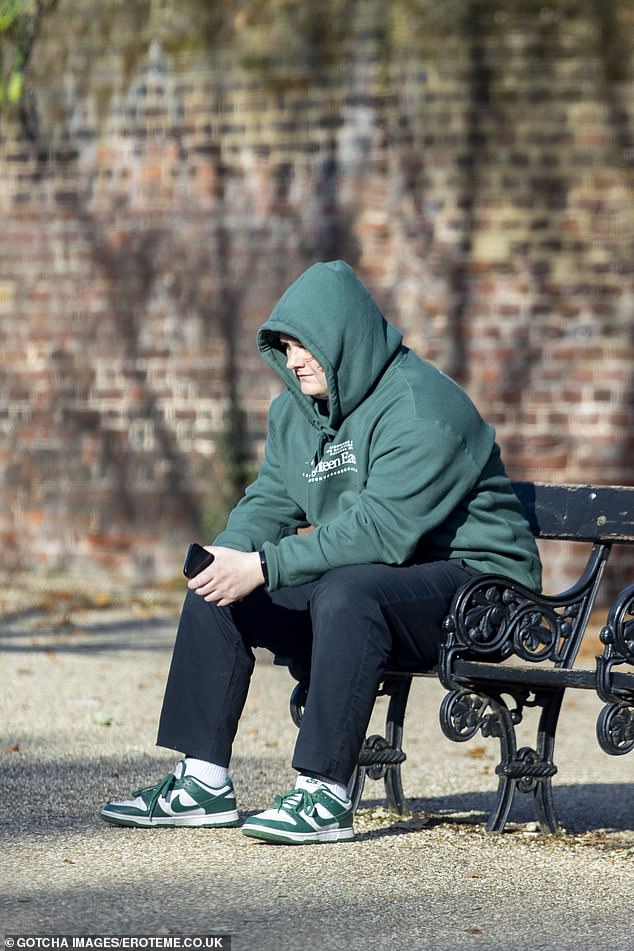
x=331 y=312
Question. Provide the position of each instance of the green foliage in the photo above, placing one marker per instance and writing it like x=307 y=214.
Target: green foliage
x=19 y=24
x=10 y=10
x=15 y=86
x=13 y=50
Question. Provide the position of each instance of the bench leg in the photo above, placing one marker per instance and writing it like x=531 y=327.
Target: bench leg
x=543 y=789
x=394 y=736
x=526 y=770
x=503 y=726
x=355 y=786
x=381 y=757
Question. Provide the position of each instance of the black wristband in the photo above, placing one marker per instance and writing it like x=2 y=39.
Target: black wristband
x=265 y=570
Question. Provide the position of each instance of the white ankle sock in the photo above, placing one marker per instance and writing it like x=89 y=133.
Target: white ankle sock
x=305 y=782
x=209 y=773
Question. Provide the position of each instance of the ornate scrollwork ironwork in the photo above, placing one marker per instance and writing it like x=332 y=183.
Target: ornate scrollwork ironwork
x=491 y=616
x=615 y=724
x=615 y=728
x=377 y=756
x=617 y=637
x=298 y=702
x=618 y=633
x=479 y=621
x=528 y=768
x=463 y=713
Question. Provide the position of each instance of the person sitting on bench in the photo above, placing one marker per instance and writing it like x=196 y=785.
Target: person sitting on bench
x=399 y=482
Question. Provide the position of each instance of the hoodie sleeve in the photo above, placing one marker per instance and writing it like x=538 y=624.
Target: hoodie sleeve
x=417 y=477
x=266 y=513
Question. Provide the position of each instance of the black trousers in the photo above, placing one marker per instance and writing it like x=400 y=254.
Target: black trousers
x=347 y=627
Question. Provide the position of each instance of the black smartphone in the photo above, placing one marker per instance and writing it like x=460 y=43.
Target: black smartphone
x=196 y=559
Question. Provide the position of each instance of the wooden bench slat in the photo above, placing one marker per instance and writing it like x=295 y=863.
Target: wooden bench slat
x=623 y=680
x=537 y=676
x=592 y=513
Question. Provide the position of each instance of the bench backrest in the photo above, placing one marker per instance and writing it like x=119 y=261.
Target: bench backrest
x=591 y=513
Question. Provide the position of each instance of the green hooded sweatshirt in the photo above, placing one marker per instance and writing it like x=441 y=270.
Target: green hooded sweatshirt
x=397 y=466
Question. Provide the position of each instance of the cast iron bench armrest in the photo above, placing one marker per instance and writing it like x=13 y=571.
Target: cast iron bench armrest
x=492 y=615
x=507 y=648
x=615 y=725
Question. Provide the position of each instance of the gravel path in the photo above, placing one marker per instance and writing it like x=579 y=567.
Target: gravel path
x=82 y=686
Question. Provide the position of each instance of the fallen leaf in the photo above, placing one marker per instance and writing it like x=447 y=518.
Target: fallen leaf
x=477 y=752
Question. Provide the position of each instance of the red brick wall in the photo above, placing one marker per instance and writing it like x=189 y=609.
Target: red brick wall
x=174 y=166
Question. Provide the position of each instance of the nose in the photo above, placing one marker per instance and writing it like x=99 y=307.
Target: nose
x=294 y=358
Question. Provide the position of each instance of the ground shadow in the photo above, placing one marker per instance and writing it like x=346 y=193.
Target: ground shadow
x=580 y=808
x=74 y=637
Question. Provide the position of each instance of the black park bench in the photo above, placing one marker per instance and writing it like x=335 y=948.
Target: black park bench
x=507 y=648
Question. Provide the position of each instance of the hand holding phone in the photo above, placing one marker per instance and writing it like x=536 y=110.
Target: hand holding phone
x=196 y=559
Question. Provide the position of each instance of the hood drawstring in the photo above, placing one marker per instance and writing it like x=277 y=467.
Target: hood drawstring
x=325 y=436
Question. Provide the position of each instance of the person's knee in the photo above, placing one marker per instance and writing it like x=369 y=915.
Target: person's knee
x=341 y=596
x=194 y=606
x=209 y=621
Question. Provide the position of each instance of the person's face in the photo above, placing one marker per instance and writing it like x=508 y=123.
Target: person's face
x=311 y=377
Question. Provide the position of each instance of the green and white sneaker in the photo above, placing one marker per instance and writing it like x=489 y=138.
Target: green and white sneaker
x=302 y=816
x=177 y=800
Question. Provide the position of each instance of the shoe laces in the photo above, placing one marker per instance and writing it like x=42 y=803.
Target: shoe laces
x=296 y=800
x=161 y=789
